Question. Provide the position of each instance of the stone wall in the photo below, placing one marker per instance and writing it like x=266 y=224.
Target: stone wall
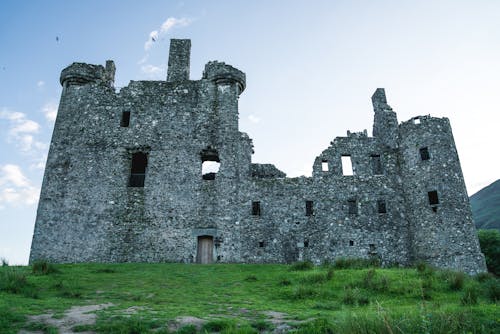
x=91 y=209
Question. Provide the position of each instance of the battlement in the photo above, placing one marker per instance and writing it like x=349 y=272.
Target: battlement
x=82 y=73
x=221 y=72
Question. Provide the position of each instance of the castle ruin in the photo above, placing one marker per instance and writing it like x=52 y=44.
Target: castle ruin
x=159 y=172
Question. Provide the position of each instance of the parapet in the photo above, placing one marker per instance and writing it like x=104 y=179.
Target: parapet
x=82 y=73
x=221 y=72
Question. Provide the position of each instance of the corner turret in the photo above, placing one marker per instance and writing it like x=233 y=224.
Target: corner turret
x=385 y=124
x=79 y=74
x=221 y=73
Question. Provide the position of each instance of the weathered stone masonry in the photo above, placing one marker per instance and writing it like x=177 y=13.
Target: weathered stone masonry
x=124 y=181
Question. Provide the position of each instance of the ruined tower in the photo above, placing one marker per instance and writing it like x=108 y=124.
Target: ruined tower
x=159 y=171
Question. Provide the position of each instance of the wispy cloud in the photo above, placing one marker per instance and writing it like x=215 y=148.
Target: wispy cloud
x=40 y=84
x=50 y=111
x=15 y=187
x=21 y=130
x=153 y=72
x=169 y=24
x=254 y=119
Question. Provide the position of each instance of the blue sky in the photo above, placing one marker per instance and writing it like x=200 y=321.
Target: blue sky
x=311 y=68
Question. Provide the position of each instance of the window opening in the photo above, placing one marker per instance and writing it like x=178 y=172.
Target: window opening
x=125 y=119
x=353 y=207
x=138 y=169
x=309 y=208
x=376 y=165
x=424 y=154
x=347 y=165
x=416 y=121
x=210 y=163
x=324 y=166
x=433 y=197
x=351 y=243
x=306 y=243
x=261 y=244
x=256 y=208
x=381 y=206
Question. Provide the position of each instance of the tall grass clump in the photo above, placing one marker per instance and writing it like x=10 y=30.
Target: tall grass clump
x=302 y=265
x=375 y=282
x=43 y=267
x=456 y=281
x=16 y=282
x=316 y=326
x=470 y=295
x=356 y=263
x=493 y=290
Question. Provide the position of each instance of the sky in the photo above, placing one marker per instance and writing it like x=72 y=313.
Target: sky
x=311 y=69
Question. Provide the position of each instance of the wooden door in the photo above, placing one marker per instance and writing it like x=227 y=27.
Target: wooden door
x=205 y=249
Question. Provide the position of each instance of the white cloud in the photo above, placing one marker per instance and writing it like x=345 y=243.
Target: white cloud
x=153 y=72
x=165 y=27
x=15 y=188
x=40 y=84
x=254 y=119
x=21 y=130
x=50 y=111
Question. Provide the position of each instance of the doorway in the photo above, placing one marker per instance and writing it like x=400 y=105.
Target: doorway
x=205 y=249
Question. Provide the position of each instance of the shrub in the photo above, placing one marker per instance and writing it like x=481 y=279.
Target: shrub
x=493 y=290
x=483 y=277
x=489 y=241
x=470 y=296
x=43 y=267
x=456 y=281
x=303 y=265
x=355 y=263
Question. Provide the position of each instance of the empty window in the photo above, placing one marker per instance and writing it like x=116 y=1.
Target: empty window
x=306 y=243
x=309 y=208
x=433 y=197
x=372 y=248
x=351 y=243
x=347 y=165
x=424 y=154
x=138 y=169
x=416 y=121
x=261 y=244
x=376 y=164
x=353 y=207
x=256 y=208
x=125 y=119
x=324 y=166
x=210 y=163
x=381 y=206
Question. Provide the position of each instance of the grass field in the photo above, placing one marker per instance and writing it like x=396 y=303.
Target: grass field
x=243 y=298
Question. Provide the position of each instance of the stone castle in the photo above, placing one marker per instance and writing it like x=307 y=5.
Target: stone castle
x=159 y=171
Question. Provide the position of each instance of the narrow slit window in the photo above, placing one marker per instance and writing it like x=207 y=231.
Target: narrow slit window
x=256 y=208
x=306 y=243
x=138 y=169
x=210 y=163
x=424 y=154
x=125 y=121
x=376 y=164
x=347 y=165
x=309 y=208
x=324 y=165
x=433 y=197
x=261 y=244
x=351 y=243
x=381 y=206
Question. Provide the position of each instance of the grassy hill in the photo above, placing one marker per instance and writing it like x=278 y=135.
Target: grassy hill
x=239 y=298
x=485 y=205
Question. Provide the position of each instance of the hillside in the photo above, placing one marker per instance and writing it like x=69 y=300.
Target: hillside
x=239 y=298
x=485 y=205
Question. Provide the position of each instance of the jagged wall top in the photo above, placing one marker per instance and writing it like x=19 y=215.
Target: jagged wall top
x=82 y=73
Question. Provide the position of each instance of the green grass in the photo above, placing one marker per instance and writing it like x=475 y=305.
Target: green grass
x=236 y=298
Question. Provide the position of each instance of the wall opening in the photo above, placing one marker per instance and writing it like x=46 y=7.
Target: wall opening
x=376 y=164
x=347 y=165
x=433 y=197
x=416 y=121
x=351 y=243
x=138 y=169
x=204 y=254
x=424 y=153
x=125 y=121
x=352 y=206
x=256 y=208
x=210 y=163
x=381 y=206
x=261 y=244
x=324 y=165
x=306 y=243
x=309 y=208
